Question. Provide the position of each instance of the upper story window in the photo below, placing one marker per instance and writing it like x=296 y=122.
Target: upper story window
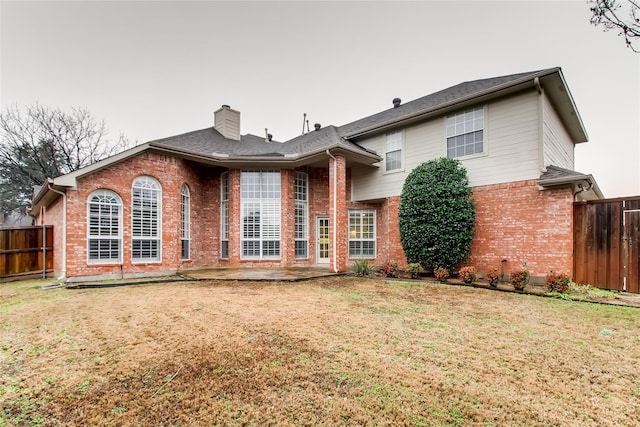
x=465 y=133
x=104 y=227
x=146 y=212
x=393 y=151
x=260 y=213
x=185 y=222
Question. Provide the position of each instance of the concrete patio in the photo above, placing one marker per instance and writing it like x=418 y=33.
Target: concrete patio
x=268 y=274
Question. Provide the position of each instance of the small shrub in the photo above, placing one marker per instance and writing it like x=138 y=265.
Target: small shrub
x=492 y=277
x=557 y=282
x=441 y=274
x=414 y=269
x=467 y=274
x=362 y=268
x=390 y=269
x=520 y=279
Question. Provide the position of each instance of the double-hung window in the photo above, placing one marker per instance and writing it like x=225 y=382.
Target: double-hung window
x=260 y=214
x=393 y=152
x=465 y=133
x=104 y=227
x=362 y=233
x=146 y=217
x=301 y=214
x=185 y=222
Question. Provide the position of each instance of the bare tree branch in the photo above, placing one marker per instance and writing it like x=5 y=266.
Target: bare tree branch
x=41 y=142
x=623 y=15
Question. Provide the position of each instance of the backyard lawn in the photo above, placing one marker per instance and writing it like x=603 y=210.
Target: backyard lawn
x=333 y=351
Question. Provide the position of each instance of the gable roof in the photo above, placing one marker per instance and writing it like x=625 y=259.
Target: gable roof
x=474 y=92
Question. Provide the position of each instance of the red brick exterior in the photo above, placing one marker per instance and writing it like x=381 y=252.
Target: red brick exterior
x=524 y=225
x=516 y=220
x=54 y=214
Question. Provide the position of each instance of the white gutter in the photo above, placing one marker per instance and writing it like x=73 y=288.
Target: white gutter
x=64 y=229
x=335 y=211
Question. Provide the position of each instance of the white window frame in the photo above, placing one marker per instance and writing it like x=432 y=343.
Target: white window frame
x=394 y=143
x=261 y=234
x=146 y=230
x=185 y=222
x=362 y=233
x=301 y=214
x=465 y=130
x=105 y=227
x=224 y=215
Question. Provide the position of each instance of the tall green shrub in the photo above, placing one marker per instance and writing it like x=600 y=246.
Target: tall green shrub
x=437 y=214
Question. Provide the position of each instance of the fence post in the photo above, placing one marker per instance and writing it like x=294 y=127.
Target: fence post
x=44 y=251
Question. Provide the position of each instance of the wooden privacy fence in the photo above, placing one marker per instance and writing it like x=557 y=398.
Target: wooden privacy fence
x=24 y=250
x=606 y=243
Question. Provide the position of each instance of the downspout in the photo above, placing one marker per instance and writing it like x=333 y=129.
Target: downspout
x=44 y=249
x=335 y=210
x=64 y=227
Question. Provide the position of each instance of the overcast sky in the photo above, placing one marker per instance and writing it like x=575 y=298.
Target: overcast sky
x=156 y=69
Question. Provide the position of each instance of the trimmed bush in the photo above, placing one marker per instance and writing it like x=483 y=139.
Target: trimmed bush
x=467 y=274
x=520 y=279
x=436 y=214
x=492 y=277
x=557 y=282
x=390 y=269
x=414 y=269
x=441 y=274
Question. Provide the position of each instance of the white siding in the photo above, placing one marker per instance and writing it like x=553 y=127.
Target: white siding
x=512 y=129
x=227 y=122
x=557 y=145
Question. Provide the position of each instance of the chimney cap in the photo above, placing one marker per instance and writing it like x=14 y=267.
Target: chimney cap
x=396 y=102
x=225 y=106
x=317 y=126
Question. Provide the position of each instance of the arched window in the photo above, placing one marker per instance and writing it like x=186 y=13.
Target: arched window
x=185 y=222
x=104 y=227
x=146 y=220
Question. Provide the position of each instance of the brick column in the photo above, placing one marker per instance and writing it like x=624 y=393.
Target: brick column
x=338 y=214
x=287 y=207
x=234 y=217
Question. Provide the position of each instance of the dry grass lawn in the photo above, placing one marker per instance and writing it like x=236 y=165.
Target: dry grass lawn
x=338 y=351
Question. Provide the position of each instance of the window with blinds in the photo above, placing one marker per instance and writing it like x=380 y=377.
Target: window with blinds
x=185 y=222
x=260 y=214
x=146 y=216
x=224 y=215
x=104 y=227
x=301 y=189
x=362 y=233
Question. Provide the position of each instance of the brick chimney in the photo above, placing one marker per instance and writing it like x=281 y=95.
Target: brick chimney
x=227 y=122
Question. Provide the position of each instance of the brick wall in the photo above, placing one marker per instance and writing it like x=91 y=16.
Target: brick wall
x=171 y=173
x=525 y=225
x=516 y=220
x=53 y=215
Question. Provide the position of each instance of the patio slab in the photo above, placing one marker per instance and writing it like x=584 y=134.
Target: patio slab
x=267 y=274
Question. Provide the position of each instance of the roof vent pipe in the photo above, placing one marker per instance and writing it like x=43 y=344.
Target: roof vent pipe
x=396 y=102
x=317 y=126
